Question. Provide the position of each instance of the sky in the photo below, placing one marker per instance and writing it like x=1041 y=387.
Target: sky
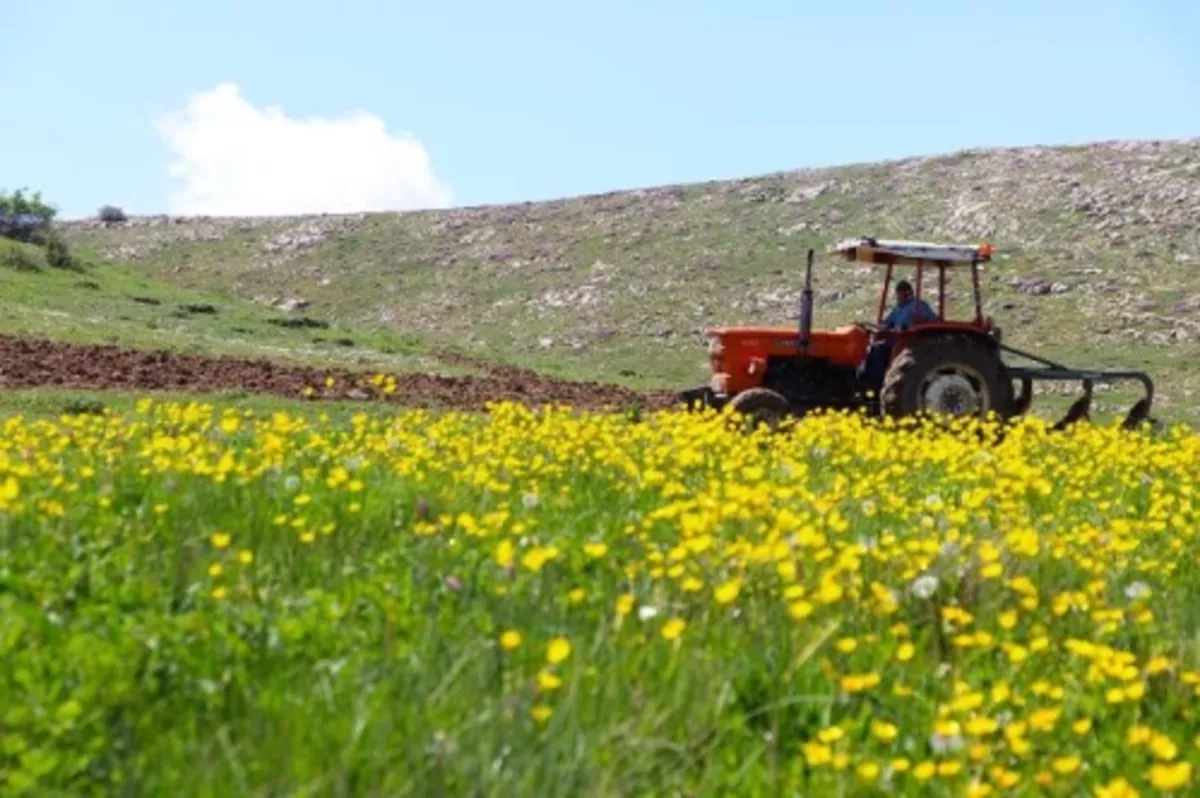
x=268 y=107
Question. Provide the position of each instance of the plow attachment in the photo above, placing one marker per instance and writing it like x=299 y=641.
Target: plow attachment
x=1080 y=410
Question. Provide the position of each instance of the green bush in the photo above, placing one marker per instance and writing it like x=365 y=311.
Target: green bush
x=58 y=254
x=27 y=218
x=21 y=257
x=112 y=214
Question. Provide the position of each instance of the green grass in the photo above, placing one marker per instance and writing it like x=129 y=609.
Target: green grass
x=201 y=601
x=110 y=303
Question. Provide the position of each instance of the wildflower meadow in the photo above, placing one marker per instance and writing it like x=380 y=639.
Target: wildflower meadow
x=199 y=600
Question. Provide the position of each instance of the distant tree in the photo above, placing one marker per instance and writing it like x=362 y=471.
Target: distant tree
x=25 y=217
x=28 y=218
x=18 y=203
x=112 y=214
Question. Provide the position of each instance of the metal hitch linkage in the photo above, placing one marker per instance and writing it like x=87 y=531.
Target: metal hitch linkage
x=1080 y=410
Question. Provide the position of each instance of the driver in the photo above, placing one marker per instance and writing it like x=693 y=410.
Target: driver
x=907 y=310
x=907 y=307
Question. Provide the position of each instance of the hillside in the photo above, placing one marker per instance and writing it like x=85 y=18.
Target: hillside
x=1098 y=258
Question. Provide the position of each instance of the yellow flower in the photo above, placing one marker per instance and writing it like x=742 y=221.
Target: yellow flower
x=595 y=550
x=981 y=726
x=510 y=639
x=727 y=592
x=541 y=713
x=1170 y=777
x=868 y=771
x=884 y=731
x=1117 y=788
x=558 y=650
x=673 y=628
x=799 y=610
x=859 y=683
x=548 y=681
x=220 y=540
x=905 y=652
x=831 y=734
x=1066 y=764
x=829 y=592
x=1162 y=747
x=1138 y=735
x=925 y=771
x=1044 y=719
x=817 y=754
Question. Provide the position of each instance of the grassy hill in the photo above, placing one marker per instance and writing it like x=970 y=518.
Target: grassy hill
x=1098 y=253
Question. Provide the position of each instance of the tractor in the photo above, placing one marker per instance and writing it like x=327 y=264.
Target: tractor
x=933 y=366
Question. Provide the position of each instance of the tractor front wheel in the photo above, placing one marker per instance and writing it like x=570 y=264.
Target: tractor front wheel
x=761 y=406
x=947 y=376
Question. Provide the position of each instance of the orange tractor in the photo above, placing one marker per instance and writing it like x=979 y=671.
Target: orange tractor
x=931 y=366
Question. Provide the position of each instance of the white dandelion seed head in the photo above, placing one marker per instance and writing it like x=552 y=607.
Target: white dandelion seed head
x=924 y=587
x=1137 y=590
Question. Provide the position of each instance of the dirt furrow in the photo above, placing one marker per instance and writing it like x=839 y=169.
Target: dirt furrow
x=36 y=363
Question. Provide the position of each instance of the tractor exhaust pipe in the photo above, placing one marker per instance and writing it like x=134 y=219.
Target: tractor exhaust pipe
x=806 y=305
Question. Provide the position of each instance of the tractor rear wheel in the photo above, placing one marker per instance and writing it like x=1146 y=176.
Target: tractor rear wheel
x=944 y=375
x=761 y=406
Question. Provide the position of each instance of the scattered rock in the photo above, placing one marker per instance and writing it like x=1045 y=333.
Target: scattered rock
x=310 y=233
x=290 y=305
x=808 y=193
x=1034 y=286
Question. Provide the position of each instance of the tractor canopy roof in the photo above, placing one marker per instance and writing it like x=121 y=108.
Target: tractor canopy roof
x=911 y=253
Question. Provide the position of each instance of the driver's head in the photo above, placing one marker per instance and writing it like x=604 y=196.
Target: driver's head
x=904 y=291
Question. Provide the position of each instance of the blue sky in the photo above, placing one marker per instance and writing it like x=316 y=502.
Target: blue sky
x=532 y=99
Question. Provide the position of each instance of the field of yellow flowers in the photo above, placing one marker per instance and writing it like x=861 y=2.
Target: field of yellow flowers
x=207 y=600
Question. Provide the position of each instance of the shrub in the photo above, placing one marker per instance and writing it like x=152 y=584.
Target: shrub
x=58 y=254
x=25 y=218
x=20 y=204
x=20 y=257
x=111 y=214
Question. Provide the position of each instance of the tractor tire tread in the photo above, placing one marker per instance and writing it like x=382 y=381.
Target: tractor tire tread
x=897 y=401
x=753 y=399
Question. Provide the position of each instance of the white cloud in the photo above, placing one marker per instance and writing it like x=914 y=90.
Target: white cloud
x=237 y=160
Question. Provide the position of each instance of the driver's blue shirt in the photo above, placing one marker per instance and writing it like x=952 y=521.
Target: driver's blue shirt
x=902 y=315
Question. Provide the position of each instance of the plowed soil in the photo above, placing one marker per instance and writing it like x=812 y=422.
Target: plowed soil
x=37 y=363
